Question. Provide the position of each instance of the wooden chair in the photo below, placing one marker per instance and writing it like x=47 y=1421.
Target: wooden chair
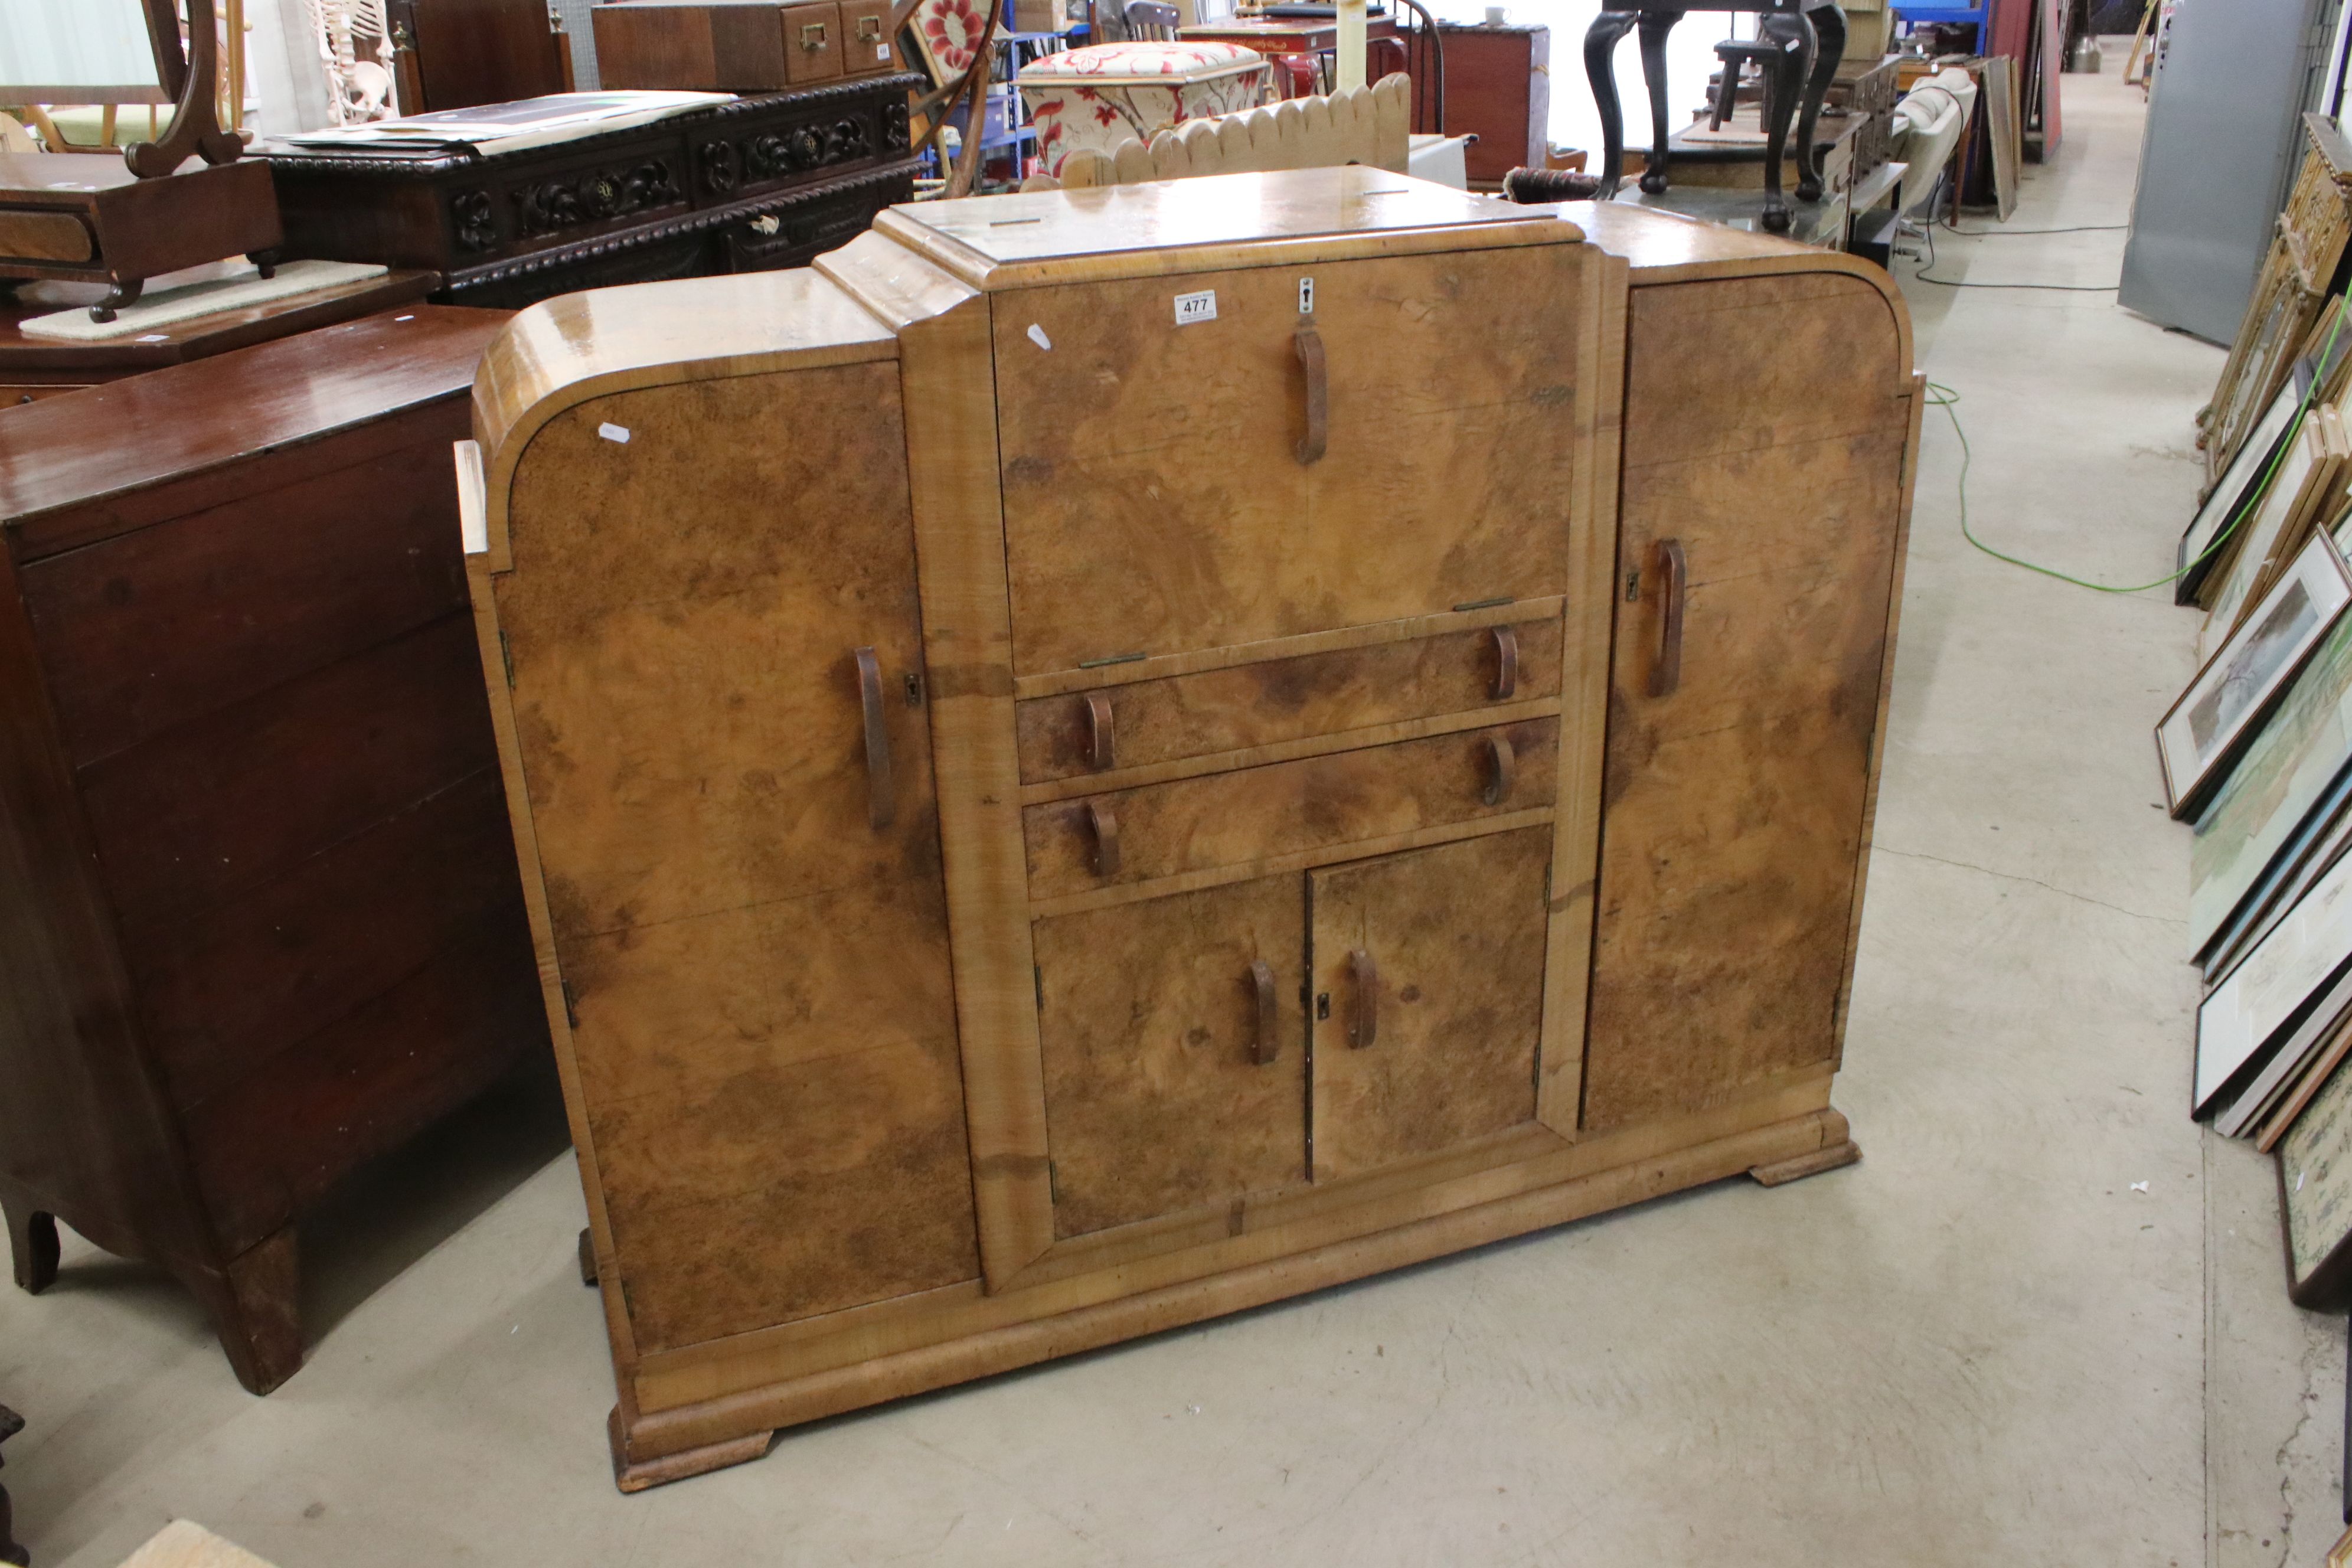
x=1152 y=21
x=1424 y=49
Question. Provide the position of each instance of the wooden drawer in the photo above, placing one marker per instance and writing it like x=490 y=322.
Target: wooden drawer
x=812 y=49
x=1258 y=814
x=1150 y=721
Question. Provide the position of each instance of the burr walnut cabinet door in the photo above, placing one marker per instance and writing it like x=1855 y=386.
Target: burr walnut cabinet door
x=1765 y=426
x=715 y=649
x=1426 y=971
x=1163 y=490
x=1175 y=1051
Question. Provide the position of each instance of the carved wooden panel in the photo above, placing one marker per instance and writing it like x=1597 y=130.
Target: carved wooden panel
x=1171 y=1082
x=1154 y=498
x=757 y=974
x=1427 y=977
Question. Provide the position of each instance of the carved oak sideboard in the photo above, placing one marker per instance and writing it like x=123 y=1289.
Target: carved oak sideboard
x=1104 y=757
x=764 y=182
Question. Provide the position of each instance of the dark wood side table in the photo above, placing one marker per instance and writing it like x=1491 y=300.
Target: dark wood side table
x=259 y=916
x=1814 y=34
x=33 y=368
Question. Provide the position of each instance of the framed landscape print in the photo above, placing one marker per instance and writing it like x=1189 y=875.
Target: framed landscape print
x=2258 y=530
x=2270 y=994
x=2230 y=492
x=2200 y=735
x=2293 y=761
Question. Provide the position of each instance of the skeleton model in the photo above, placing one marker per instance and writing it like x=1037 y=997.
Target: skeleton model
x=356 y=42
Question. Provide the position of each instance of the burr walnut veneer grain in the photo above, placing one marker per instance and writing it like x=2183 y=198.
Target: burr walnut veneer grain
x=1024 y=851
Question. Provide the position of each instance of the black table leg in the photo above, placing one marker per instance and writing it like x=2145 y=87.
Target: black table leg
x=1788 y=64
x=1828 y=47
x=1656 y=25
x=1600 y=41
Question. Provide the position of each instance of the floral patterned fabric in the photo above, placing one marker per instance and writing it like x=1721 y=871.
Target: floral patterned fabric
x=1109 y=93
x=948 y=31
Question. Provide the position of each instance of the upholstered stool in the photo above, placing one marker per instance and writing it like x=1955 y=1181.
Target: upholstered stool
x=1104 y=94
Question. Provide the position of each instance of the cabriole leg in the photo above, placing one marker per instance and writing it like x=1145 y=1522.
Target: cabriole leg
x=1600 y=41
x=1656 y=25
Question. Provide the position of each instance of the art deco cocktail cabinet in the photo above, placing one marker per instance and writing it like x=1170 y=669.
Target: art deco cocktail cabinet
x=1104 y=757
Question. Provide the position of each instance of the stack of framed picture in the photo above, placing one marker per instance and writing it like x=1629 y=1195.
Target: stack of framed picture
x=2257 y=753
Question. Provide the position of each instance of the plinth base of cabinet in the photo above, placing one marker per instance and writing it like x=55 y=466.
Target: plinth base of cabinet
x=688 y=1439
x=635 y=1476
x=1803 y=1165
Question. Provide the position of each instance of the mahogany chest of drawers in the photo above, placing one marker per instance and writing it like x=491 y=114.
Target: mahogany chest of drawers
x=260 y=920
x=741 y=45
x=1258 y=729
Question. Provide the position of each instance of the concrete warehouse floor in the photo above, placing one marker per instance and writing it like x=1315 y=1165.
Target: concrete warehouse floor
x=1982 y=1346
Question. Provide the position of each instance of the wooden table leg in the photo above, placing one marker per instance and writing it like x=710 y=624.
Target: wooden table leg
x=1600 y=41
x=1655 y=26
x=32 y=1240
x=1829 y=48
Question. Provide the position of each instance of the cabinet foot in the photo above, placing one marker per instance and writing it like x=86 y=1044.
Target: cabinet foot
x=32 y=1240
x=256 y=1307
x=10 y=1425
x=636 y=1476
x=1780 y=1171
x=587 y=1257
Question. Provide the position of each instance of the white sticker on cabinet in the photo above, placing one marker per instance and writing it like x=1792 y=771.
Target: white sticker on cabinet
x=1195 y=308
x=614 y=433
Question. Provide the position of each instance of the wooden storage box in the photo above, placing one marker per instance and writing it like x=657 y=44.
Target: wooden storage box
x=259 y=914
x=739 y=46
x=1269 y=729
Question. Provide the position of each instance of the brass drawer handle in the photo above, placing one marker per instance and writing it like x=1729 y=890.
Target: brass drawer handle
x=1102 y=739
x=880 y=805
x=1506 y=665
x=1319 y=396
x=1365 y=1027
x=1106 y=832
x=869 y=29
x=1269 y=1020
x=1502 y=769
x=816 y=30
x=1673 y=584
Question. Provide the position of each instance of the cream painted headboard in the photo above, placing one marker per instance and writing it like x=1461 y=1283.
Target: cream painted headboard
x=1368 y=125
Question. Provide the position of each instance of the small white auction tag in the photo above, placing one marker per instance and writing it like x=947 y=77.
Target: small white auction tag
x=1192 y=308
x=614 y=433
x=883 y=51
x=1038 y=335
x=152 y=338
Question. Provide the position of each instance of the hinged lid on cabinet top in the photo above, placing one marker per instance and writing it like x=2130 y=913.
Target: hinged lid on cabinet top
x=1194 y=225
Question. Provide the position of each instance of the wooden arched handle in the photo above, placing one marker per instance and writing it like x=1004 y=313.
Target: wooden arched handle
x=1269 y=1017
x=1502 y=769
x=881 y=803
x=1674 y=585
x=1506 y=665
x=1365 y=1027
x=1106 y=831
x=1319 y=396
x=1102 y=739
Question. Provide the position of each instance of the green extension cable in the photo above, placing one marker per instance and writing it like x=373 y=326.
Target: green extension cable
x=1944 y=397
